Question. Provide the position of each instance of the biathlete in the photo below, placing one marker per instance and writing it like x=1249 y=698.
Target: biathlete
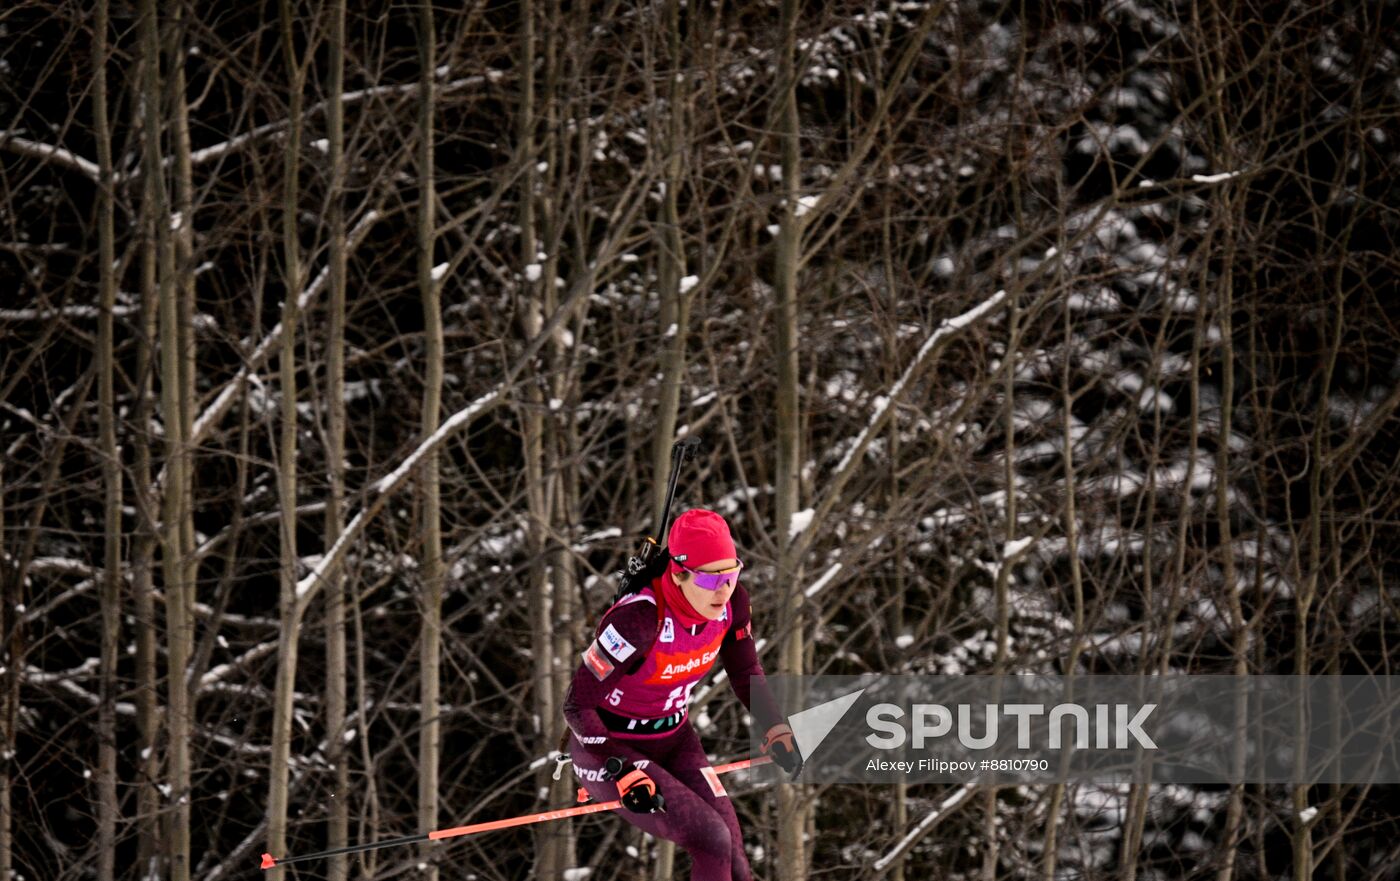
x=628 y=701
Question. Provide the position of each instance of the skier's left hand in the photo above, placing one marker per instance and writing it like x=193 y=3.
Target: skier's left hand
x=635 y=787
x=779 y=744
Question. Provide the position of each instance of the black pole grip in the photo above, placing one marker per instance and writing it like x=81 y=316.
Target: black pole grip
x=612 y=768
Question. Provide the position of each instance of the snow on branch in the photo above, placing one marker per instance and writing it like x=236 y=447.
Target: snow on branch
x=49 y=314
x=823 y=581
x=958 y=796
x=218 y=673
x=89 y=169
x=946 y=329
x=390 y=481
x=64 y=682
x=37 y=676
x=629 y=205
x=63 y=566
x=57 y=155
x=221 y=404
x=1215 y=178
x=224 y=148
x=1012 y=549
x=885 y=406
x=800 y=521
x=386 y=486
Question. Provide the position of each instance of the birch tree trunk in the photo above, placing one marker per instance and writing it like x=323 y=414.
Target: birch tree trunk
x=1239 y=627
x=899 y=802
x=174 y=497
x=338 y=820
x=1307 y=594
x=1209 y=64
x=144 y=543
x=675 y=307
x=990 y=839
x=1234 y=813
x=288 y=609
x=1338 y=461
x=1135 y=813
x=430 y=636
x=530 y=313
x=11 y=621
x=792 y=811
x=674 y=312
x=182 y=231
x=1076 y=575
x=560 y=442
x=108 y=809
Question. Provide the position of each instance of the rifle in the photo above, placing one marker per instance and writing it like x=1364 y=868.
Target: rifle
x=640 y=565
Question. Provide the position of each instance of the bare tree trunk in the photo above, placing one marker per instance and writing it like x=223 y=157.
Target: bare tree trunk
x=1071 y=521
x=108 y=809
x=144 y=544
x=338 y=821
x=567 y=617
x=288 y=607
x=991 y=855
x=173 y=510
x=675 y=307
x=1234 y=813
x=559 y=440
x=674 y=312
x=1211 y=70
x=792 y=810
x=990 y=838
x=182 y=231
x=899 y=805
x=895 y=623
x=1135 y=815
x=1139 y=794
x=1336 y=793
x=430 y=631
x=369 y=820
x=1307 y=595
x=12 y=623
x=535 y=286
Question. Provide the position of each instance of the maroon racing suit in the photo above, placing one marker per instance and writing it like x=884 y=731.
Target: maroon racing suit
x=629 y=698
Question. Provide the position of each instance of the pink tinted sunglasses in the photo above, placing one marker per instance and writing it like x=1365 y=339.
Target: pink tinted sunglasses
x=714 y=580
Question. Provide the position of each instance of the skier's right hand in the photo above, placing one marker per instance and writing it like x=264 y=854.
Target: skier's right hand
x=780 y=743
x=637 y=789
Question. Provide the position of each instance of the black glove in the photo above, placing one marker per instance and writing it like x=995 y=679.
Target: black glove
x=635 y=786
x=779 y=744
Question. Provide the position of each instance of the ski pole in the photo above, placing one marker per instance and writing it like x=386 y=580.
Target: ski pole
x=271 y=862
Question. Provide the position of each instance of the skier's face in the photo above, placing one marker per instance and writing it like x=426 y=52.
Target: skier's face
x=709 y=603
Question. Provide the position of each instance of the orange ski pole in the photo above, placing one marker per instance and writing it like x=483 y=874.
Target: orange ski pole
x=271 y=862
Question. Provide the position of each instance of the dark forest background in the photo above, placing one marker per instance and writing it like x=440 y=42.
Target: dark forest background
x=342 y=347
